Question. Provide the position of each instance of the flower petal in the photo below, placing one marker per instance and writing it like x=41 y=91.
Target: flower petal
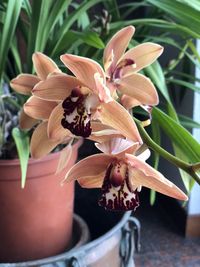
x=104 y=136
x=26 y=122
x=98 y=126
x=140 y=88
x=84 y=69
x=102 y=90
x=143 y=174
x=90 y=166
x=117 y=146
x=102 y=133
x=55 y=129
x=56 y=87
x=64 y=158
x=95 y=181
x=38 y=108
x=143 y=55
x=43 y=65
x=117 y=46
x=129 y=102
x=143 y=153
x=41 y=145
x=116 y=116
x=24 y=83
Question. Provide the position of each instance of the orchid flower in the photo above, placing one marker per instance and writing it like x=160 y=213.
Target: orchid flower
x=41 y=110
x=42 y=143
x=24 y=83
x=38 y=110
x=83 y=99
x=121 y=67
x=121 y=172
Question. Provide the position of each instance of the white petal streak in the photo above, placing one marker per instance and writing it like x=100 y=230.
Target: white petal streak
x=144 y=155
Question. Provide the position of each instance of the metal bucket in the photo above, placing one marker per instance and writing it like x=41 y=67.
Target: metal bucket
x=113 y=249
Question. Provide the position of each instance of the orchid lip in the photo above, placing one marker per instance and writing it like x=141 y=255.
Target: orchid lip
x=76 y=118
x=117 y=191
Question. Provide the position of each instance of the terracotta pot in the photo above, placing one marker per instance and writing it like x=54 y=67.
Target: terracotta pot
x=35 y=222
x=81 y=235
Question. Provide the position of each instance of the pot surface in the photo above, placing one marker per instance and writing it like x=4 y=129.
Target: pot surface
x=36 y=222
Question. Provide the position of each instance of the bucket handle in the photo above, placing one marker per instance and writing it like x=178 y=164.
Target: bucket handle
x=130 y=242
x=77 y=261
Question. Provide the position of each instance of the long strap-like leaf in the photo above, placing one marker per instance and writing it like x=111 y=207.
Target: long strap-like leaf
x=181 y=12
x=11 y=18
x=70 y=20
x=22 y=143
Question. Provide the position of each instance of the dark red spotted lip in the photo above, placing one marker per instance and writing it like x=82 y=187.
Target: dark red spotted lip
x=119 y=198
x=76 y=119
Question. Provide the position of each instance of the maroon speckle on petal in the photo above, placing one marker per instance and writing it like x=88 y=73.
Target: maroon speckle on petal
x=76 y=119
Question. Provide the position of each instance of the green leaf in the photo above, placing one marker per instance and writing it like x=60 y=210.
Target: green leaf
x=27 y=7
x=178 y=135
x=156 y=157
x=181 y=12
x=152 y=197
x=128 y=8
x=187 y=76
x=44 y=19
x=155 y=72
x=184 y=84
x=83 y=21
x=162 y=39
x=92 y=39
x=68 y=41
x=194 y=4
x=73 y=17
x=113 y=8
x=16 y=56
x=21 y=139
x=72 y=37
x=194 y=49
x=157 y=23
x=188 y=122
x=33 y=36
x=157 y=138
x=186 y=178
x=58 y=8
x=10 y=21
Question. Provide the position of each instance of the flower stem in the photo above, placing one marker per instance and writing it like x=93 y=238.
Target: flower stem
x=189 y=168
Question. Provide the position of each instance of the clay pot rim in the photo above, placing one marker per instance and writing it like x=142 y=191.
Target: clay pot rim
x=51 y=156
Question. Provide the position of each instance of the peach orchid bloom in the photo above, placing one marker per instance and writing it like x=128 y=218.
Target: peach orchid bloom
x=83 y=99
x=121 y=67
x=42 y=144
x=41 y=110
x=37 y=110
x=121 y=172
x=24 y=83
